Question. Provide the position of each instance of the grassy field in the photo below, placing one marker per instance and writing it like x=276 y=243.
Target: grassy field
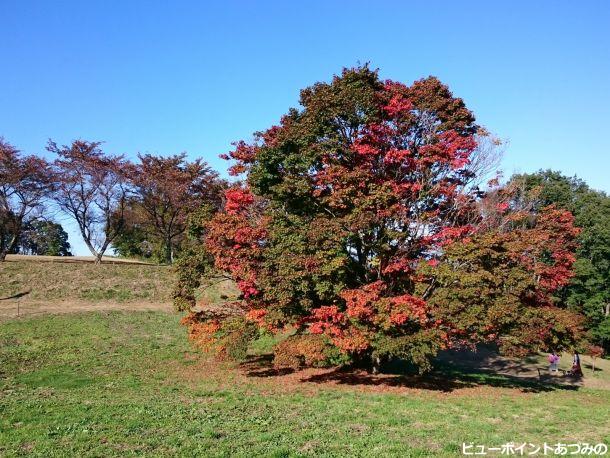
x=128 y=383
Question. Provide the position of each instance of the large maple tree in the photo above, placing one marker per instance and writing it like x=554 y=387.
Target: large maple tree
x=350 y=218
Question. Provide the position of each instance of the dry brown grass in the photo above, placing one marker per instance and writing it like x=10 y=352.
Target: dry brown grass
x=39 y=284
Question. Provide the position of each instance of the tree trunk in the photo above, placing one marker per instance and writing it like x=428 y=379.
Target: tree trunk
x=8 y=248
x=97 y=255
x=376 y=364
x=11 y=246
x=168 y=251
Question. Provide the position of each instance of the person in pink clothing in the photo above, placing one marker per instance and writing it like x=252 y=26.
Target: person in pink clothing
x=554 y=362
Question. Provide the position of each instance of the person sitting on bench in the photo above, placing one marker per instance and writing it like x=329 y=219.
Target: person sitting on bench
x=576 y=369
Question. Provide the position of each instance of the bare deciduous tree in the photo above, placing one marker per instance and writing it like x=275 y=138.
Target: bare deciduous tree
x=168 y=189
x=92 y=188
x=25 y=182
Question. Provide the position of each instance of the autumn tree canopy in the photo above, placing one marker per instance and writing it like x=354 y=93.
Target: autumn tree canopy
x=92 y=188
x=166 y=191
x=589 y=290
x=25 y=183
x=345 y=207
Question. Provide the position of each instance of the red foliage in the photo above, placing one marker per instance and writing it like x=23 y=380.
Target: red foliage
x=25 y=183
x=235 y=240
x=238 y=200
x=300 y=350
x=169 y=189
x=92 y=188
x=202 y=334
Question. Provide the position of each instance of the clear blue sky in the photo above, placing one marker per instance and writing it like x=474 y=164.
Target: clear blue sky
x=165 y=77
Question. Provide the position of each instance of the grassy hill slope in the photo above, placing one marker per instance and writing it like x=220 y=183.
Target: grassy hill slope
x=52 y=281
x=38 y=284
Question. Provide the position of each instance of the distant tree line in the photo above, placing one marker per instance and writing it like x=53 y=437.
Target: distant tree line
x=138 y=209
x=42 y=238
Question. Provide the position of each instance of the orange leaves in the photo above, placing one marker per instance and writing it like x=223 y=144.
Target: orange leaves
x=369 y=312
x=258 y=316
x=202 y=334
x=408 y=307
x=352 y=340
x=299 y=351
x=327 y=320
x=330 y=321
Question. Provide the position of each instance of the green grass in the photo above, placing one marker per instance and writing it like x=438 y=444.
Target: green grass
x=128 y=383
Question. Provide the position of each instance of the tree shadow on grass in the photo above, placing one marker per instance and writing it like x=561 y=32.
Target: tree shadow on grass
x=444 y=381
x=590 y=367
x=262 y=366
x=355 y=377
x=444 y=377
x=16 y=296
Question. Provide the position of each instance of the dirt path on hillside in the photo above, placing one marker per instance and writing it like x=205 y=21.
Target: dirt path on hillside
x=11 y=309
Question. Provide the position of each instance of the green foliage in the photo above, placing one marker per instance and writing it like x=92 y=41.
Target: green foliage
x=488 y=295
x=290 y=282
x=43 y=238
x=195 y=263
x=135 y=242
x=418 y=349
x=189 y=271
x=235 y=336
